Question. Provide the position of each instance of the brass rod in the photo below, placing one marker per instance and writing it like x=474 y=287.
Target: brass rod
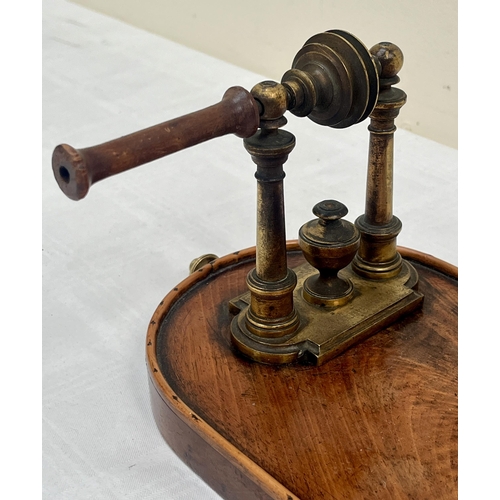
x=271 y=312
x=379 y=185
x=271 y=237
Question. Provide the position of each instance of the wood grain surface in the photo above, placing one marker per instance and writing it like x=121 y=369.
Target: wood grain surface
x=75 y=170
x=379 y=421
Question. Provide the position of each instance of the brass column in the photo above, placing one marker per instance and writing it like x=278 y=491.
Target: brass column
x=271 y=283
x=378 y=257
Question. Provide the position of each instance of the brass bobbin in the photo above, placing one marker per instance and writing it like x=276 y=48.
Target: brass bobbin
x=333 y=80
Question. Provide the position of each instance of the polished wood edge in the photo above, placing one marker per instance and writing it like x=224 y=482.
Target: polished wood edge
x=248 y=467
x=259 y=476
x=429 y=261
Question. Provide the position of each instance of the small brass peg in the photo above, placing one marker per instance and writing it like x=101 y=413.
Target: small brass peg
x=329 y=244
x=201 y=261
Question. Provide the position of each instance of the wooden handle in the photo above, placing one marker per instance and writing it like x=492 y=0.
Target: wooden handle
x=77 y=169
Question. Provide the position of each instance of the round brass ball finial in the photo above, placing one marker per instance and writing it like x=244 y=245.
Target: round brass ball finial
x=390 y=57
x=272 y=98
x=329 y=244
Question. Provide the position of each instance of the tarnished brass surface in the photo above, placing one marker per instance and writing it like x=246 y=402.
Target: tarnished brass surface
x=333 y=80
x=378 y=257
x=302 y=314
x=201 y=261
x=272 y=98
x=325 y=333
x=271 y=313
x=329 y=244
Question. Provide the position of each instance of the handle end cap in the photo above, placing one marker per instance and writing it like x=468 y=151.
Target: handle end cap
x=70 y=172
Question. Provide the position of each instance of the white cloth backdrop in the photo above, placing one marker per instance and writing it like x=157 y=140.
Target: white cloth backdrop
x=109 y=259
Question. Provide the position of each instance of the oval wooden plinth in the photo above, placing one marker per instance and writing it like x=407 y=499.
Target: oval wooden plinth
x=379 y=421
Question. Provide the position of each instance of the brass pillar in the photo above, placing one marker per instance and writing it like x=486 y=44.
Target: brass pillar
x=377 y=256
x=271 y=283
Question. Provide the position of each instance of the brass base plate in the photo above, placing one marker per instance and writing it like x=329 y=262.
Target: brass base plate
x=326 y=332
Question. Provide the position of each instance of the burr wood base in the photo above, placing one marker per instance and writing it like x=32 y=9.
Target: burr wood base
x=379 y=421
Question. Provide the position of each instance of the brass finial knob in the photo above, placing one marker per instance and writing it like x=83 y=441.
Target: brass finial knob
x=390 y=57
x=390 y=60
x=329 y=210
x=329 y=244
x=272 y=99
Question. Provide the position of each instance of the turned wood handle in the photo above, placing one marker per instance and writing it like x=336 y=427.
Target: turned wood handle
x=77 y=169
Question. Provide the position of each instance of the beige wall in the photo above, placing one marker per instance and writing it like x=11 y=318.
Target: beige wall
x=264 y=35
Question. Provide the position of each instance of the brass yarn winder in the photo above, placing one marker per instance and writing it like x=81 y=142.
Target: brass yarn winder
x=363 y=284
x=298 y=310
